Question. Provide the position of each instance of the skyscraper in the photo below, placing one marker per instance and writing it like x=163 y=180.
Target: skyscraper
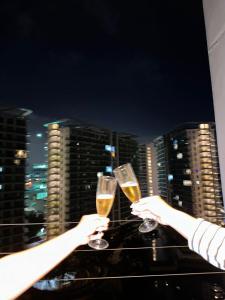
x=147 y=170
x=78 y=154
x=192 y=170
x=161 y=174
x=12 y=176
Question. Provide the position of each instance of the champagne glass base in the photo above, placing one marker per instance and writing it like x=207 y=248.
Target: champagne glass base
x=147 y=226
x=98 y=244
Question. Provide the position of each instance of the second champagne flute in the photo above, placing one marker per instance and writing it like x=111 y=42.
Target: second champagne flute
x=128 y=182
x=105 y=195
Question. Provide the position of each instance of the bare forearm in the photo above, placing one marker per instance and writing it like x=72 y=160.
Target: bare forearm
x=181 y=222
x=34 y=263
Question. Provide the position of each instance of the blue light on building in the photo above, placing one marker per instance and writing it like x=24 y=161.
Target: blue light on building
x=170 y=177
x=40 y=166
x=108 y=169
x=40 y=196
x=108 y=148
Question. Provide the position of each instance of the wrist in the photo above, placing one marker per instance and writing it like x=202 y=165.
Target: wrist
x=169 y=216
x=76 y=236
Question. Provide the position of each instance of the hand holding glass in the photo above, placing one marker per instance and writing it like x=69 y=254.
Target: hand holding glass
x=105 y=195
x=128 y=182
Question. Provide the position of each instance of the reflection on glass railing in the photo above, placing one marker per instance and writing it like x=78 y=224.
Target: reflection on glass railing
x=56 y=283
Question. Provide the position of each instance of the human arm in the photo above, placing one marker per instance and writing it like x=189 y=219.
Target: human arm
x=203 y=237
x=21 y=270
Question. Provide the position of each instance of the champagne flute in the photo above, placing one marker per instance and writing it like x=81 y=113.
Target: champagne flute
x=105 y=195
x=128 y=182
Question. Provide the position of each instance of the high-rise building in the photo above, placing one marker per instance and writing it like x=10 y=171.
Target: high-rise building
x=13 y=154
x=142 y=169
x=147 y=170
x=191 y=173
x=161 y=173
x=78 y=154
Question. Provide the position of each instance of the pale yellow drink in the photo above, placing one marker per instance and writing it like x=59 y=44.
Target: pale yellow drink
x=104 y=204
x=131 y=190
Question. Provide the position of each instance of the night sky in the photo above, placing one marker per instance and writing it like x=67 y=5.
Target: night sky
x=136 y=66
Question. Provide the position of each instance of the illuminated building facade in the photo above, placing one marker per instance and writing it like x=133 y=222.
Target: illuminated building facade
x=78 y=154
x=192 y=168
x=161 y=172
x=147 y=170
x=36 y=188
x=13 y=154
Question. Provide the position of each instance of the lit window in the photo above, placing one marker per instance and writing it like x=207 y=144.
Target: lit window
x=87 y=187
x=0 y=186
x=99 y=174
x=54 y=126
x=170 y=177
x=108 y=148
x=40 y=166
x=1 y=169
x=108 y=169
x=197 y=182
x=180 y=203
x=187 y=182
x=188 y=171
x=177 y=197
x=175 y=144
x=203 y=126
x=179 y=155
x=17 y=162
x=159 y=164
x=39 y=135
x=21 y=154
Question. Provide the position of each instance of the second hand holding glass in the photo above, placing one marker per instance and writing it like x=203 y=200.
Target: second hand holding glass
x=105 y=195
x=130 y=186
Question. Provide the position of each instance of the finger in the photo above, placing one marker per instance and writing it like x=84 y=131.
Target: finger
x=147 y=215
x=102 y=222
x=96 y=217
x=101 y=228
x=134 y=205
x=104 y=219
x=96 y=236
x=138 y=205
x=134 y=213
x=141 y=209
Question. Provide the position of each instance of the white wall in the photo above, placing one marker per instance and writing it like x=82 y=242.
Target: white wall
x=214 y=11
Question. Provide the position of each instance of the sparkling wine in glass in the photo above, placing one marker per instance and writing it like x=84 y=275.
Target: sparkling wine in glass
x=128 y=182
x=105 y=195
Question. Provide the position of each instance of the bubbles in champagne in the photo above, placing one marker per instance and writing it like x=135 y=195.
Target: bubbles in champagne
x=104 y=204
x=132 y=190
